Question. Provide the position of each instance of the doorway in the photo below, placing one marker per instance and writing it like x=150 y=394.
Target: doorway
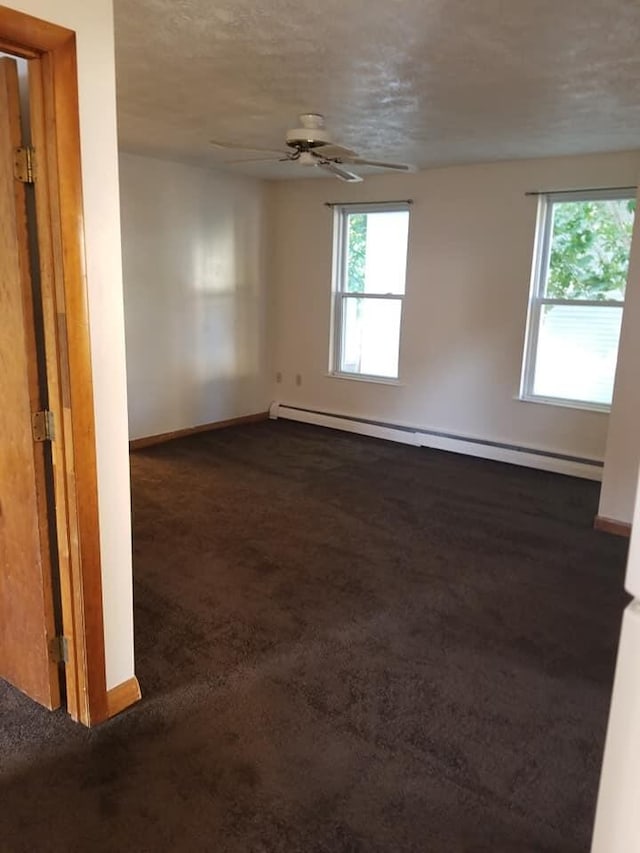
x=53 y=163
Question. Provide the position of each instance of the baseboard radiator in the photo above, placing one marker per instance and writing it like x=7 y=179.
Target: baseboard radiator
x=560 y=463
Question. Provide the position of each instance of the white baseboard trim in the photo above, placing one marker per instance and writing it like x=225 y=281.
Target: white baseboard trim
x=589 y=469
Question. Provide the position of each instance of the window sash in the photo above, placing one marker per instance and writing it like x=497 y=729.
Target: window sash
x=543 y=242
x=345 y=294
x=538 y=365
x=341 y=276
x=340 y=329
x=584 y=303
x=533 y=340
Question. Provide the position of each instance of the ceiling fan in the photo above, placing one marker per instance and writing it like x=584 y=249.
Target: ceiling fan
x=311 y=145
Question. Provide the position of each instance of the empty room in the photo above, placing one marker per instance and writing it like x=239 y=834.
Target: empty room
x=317 y=508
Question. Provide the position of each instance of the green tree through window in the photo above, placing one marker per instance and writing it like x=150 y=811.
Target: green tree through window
x=357 y=238
x=590 y=249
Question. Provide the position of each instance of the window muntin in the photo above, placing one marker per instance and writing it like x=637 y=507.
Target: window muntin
x=575 y=311
x=369 y=285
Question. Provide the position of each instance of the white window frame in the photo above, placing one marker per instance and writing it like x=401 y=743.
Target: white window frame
x=537 y=298
x=340 y=293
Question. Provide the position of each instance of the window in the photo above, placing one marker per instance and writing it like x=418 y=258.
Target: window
x=370 y=263
x=577 y=299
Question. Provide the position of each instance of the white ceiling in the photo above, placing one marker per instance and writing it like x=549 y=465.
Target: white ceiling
x=422 y=81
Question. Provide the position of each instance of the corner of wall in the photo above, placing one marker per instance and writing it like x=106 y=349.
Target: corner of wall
x=622 y=456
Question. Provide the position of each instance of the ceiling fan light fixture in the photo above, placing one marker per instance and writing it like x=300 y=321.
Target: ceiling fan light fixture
x=306 y=158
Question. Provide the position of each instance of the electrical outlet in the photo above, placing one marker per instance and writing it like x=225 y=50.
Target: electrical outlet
x=278 y=377
x=298 y=379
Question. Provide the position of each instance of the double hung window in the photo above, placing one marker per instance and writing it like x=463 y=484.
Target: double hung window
x=370 y=264
x=577 y=297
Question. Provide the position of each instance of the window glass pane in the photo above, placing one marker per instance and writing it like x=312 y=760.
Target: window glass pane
x=577 y=352
x=370 y=336
x=376 y=259
x=590 y=242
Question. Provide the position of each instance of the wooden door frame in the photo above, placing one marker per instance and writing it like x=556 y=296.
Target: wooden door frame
x=53 y=95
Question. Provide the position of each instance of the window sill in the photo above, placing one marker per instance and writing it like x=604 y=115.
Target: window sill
x=603 y=409
x=361 y=377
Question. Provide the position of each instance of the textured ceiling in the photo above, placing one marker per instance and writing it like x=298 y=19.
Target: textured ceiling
x=422 y=81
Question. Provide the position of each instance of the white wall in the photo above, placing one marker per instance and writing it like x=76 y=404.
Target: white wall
x=195 y=294
x=632 y=577
x=468 y=277
x=617 y=820
x=93 y=23
x=623 y=440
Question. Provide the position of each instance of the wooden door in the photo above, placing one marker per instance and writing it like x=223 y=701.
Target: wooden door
x=27 y=623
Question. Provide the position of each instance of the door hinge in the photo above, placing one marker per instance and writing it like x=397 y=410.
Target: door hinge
x=24 y=165
x=42 y=424
x=59 y=649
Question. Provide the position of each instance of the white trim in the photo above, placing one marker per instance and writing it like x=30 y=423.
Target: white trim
x=532 y=324
x=372 y=206
x=526 y=457
x=363 y=377
x=603 y=408
x=605 y=194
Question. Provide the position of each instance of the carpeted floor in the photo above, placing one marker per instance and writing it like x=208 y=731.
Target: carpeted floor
x=343 y=645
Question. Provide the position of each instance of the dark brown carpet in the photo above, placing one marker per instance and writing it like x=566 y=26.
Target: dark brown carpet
x=344 y=645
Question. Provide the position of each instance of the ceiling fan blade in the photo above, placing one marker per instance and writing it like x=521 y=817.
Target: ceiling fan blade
x=271 y=159
x=339 y=172
x=381 y=164
x=231 y=145
x=335 y=152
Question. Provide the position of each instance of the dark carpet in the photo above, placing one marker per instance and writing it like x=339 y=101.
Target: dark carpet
x=343 y=645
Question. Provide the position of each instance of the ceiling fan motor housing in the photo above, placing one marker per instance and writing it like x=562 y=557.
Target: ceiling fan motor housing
x=304 y=138
x=311 y=135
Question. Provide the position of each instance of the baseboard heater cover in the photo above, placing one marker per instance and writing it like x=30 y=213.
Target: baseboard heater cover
x=560 y=463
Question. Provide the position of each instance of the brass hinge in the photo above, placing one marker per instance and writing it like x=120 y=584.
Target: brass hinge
x=24 y=165
x=42 y=425
x=59 y=649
